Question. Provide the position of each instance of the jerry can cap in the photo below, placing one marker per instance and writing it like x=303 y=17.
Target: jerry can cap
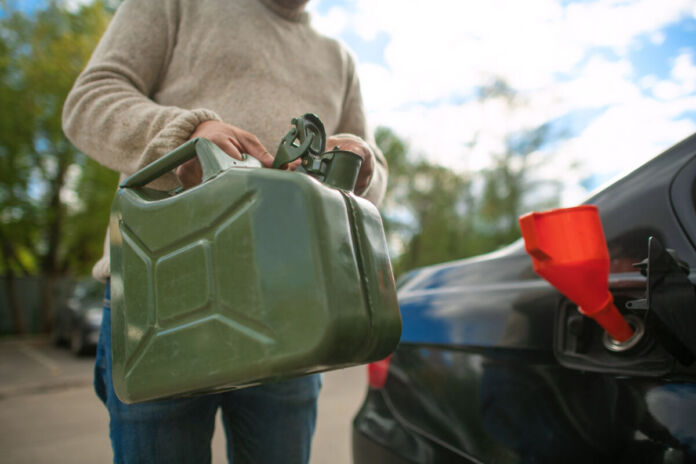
x=307 y=141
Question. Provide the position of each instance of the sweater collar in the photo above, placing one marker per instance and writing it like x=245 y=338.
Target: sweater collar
x=297 y=14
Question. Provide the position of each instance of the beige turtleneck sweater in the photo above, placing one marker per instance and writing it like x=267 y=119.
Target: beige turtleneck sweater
x=165 y=66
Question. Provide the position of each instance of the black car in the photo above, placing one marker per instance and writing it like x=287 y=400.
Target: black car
x=495 y=365
x=77 y=322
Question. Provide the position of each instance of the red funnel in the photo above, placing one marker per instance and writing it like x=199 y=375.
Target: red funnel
x=568 y=249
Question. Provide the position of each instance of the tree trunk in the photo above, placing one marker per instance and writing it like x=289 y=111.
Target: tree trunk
x=12 y=262
x=54 y=228
x=48 y=286
x=15 y=308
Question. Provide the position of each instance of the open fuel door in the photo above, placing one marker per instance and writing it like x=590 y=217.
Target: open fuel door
x=646 y=331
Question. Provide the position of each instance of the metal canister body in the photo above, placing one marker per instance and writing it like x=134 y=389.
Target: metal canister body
x=252 y=276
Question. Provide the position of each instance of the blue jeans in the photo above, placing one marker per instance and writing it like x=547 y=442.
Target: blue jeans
x=271 y=423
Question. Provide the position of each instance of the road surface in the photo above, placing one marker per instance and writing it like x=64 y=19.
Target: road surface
x=50 y=414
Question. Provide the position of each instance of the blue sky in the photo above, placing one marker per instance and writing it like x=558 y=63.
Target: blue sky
x=617 y=77
x=28 y=6
x=656 y=59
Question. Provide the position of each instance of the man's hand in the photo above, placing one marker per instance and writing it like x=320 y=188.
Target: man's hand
x=359 y=147
x=232 y=140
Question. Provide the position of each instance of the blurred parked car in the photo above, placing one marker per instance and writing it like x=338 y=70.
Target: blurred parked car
x=495 y=365
x=77 y=322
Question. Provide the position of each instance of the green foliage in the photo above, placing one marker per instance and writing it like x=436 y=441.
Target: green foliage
x=395 y=151
x=436 y=197
x=40 y=57
x=507 y=188
x=86 y=226
x=433 y=214
x=54 y=201
x=425 y=208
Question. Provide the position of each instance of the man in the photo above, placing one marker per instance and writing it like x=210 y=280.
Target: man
x=235 y=72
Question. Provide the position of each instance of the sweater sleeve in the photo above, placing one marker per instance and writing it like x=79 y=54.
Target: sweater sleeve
x=109 y=114
x=353 y=122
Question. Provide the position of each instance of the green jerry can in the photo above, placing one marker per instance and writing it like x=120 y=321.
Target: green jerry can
x=253 y=276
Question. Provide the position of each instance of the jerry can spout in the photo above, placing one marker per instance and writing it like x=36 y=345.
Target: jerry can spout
x=568 y=249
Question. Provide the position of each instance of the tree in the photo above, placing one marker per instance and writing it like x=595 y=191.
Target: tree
x=395 y=151
x=439 y=199
x=41 y=55
x=509 y=191
x=425 y=208
x=435 y=214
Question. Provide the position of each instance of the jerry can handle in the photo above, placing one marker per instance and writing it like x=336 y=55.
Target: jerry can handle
x=213 y=161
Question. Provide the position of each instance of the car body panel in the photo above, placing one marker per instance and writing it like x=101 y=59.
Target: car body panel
x=506 y=406
x=475 y=371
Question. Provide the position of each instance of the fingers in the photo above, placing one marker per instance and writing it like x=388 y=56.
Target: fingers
x=233 y=140
x=190 y=173
x=251 y=145
x=356 y=145
x=293 y=165
x=364 y=175
x=359 y=147
x=229 y=147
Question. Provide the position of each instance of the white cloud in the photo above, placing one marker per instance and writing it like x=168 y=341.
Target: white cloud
x=667 y=90
x=630 y=133
x=657 y=38
x=684 y=70
x=74 y=5
x=616 y=23
x=447 y=48
x=599 y=82
x=333 y=23
x=682 y=81
x=648 y=82
x=439 y=52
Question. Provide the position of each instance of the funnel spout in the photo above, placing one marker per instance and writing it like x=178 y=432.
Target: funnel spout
x=568 y=249
x=613 y=322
